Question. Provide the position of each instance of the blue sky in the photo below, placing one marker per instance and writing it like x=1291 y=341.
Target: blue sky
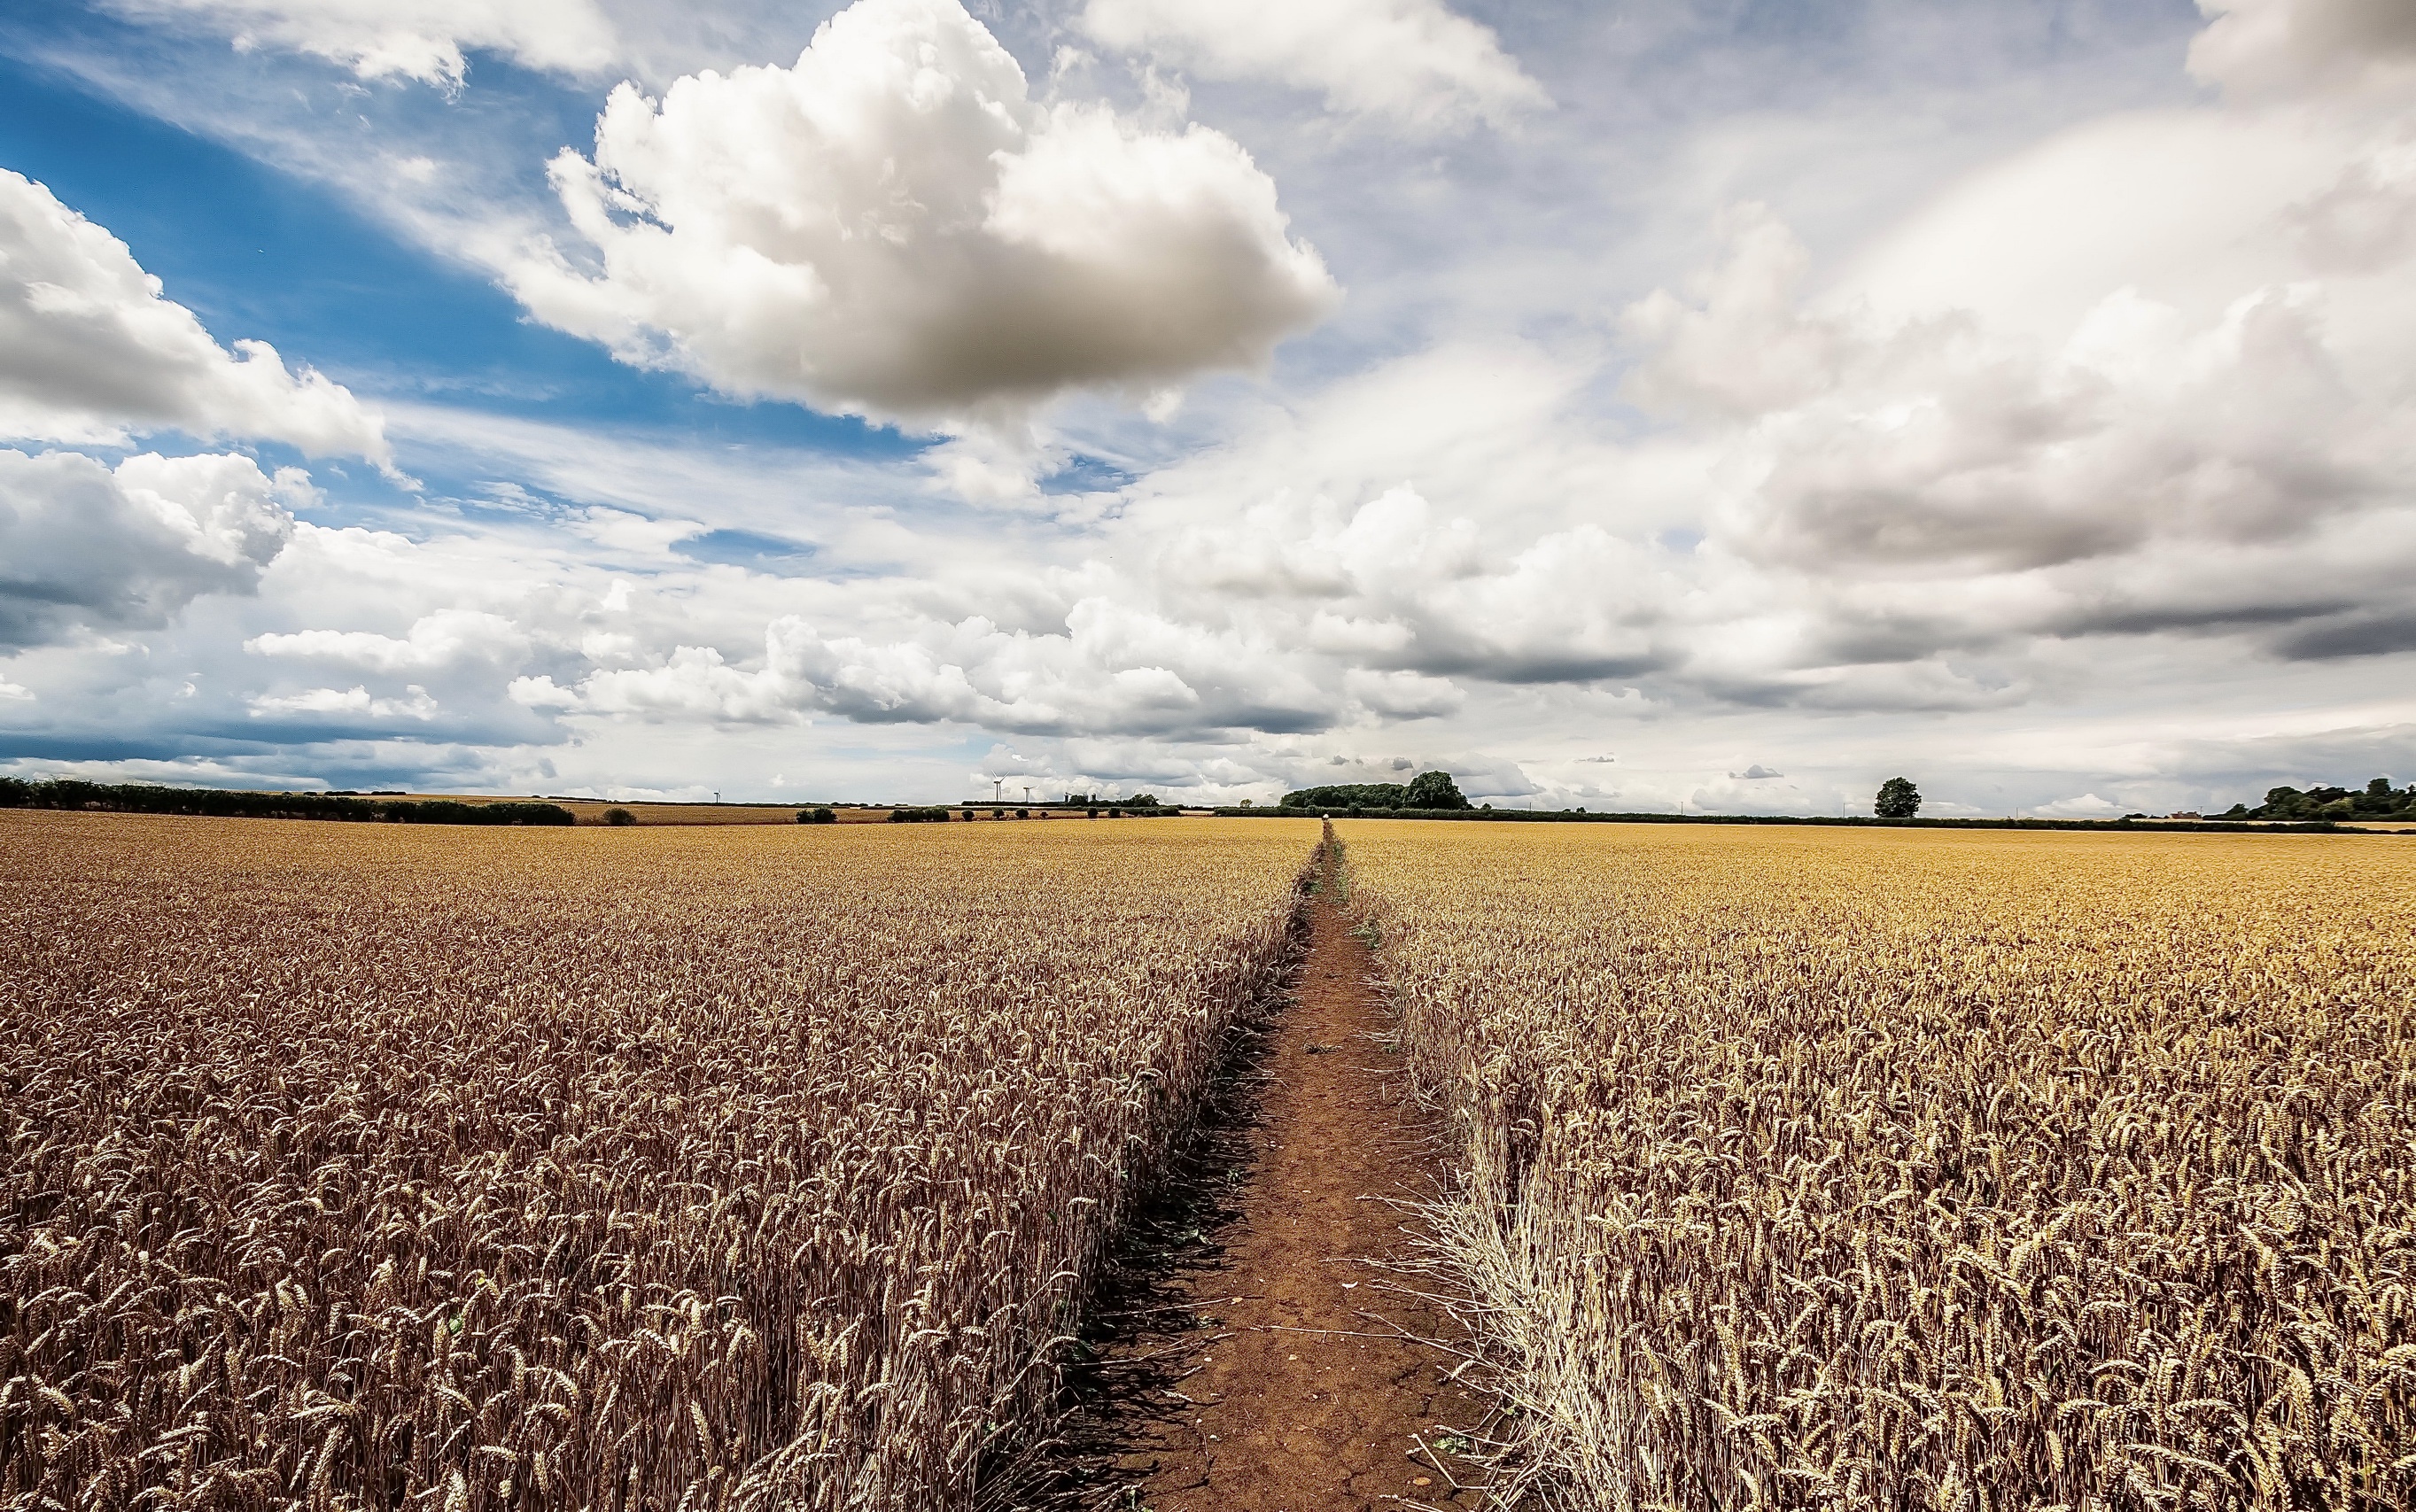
x=1644 y=405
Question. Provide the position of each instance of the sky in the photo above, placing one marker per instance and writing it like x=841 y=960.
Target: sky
x=1659 y=405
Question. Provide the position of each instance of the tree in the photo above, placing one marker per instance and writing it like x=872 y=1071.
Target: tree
x=1898 y=799
x=619 y=816
x=1435 y=790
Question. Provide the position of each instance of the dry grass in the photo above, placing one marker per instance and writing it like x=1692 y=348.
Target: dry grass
x=364 y=1166
x=1812 y=1169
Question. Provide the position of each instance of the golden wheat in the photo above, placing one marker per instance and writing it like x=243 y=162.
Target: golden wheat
x=1810 y=1169
x=357 y=1167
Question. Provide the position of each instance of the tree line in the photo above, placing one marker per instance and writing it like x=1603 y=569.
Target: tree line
x=144 y=798
x=1428 y=790
x=2377 y=799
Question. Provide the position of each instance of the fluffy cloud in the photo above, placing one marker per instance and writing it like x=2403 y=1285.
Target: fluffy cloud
x=1116 y=669
x=91 y=350
x=1283 y=619
x=894 y=227
x=1410 y=62
x=355 y=703
x=445 y=639
x=2265 y=48
x=82 y=546
x=421 y=39
x=1943 y=484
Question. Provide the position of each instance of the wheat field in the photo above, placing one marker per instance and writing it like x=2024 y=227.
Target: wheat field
x=1899 y=1170
x=375 y=1167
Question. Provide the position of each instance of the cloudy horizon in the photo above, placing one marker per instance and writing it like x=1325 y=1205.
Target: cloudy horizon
x=1716 y=404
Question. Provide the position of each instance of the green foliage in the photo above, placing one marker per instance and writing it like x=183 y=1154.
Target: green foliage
x=619 y=817
x=1435 y=790
x=919 y=816
x=144 y=798
x=816 y=816
x=2377 y=799
x=1898 y=799
x=450 y=811
x=1430 y=790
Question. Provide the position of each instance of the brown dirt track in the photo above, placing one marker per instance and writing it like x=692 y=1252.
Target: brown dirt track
x=1271 y=1372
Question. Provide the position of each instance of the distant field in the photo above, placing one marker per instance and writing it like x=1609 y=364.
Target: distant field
x=465 y=1169
x=1871 y=1169
x=592 y=811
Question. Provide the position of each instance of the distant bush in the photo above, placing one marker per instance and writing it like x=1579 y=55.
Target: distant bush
x=816 y=816
x=918 y=816
x=619 y=816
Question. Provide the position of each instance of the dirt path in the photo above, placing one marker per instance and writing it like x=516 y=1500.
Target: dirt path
x=1279 y=1379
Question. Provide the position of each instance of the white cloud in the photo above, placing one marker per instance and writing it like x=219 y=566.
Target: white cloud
x=423 y=40
x=85 y=547
x=91 y=350
x=1941 y=482
x=893 y=227
x=2087 y=805
x=356 y=699
x=635 y=534
x=443 y=639
x=1116 y=669
x=1410 y=62
x=2263 y=48
x=1404 y=695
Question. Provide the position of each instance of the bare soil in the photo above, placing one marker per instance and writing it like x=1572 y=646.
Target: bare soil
x=1268 y=1351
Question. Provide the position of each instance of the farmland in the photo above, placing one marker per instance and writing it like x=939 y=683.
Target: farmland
x=1901 y=1170
x=734 y=1167
x=373 y=1166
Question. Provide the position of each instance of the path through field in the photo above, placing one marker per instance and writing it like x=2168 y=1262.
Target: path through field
x=1306 y=1396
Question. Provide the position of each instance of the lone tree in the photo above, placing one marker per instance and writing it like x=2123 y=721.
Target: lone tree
x=1434 y=790
x=1898 y=799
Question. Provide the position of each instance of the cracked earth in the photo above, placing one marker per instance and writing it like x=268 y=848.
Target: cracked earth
x=1305 y=1383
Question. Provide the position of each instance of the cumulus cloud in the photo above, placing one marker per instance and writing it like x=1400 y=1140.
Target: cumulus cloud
x=355 y=702
x=1938 y=483
x=1409 y=62
x=1290 y=618
x=1114 y=669
x=894 y=227
x=2087 y=805
x=2267 y=48
x=83 y=546
x=91 y=350
x=446 y=638
x=422 y=39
